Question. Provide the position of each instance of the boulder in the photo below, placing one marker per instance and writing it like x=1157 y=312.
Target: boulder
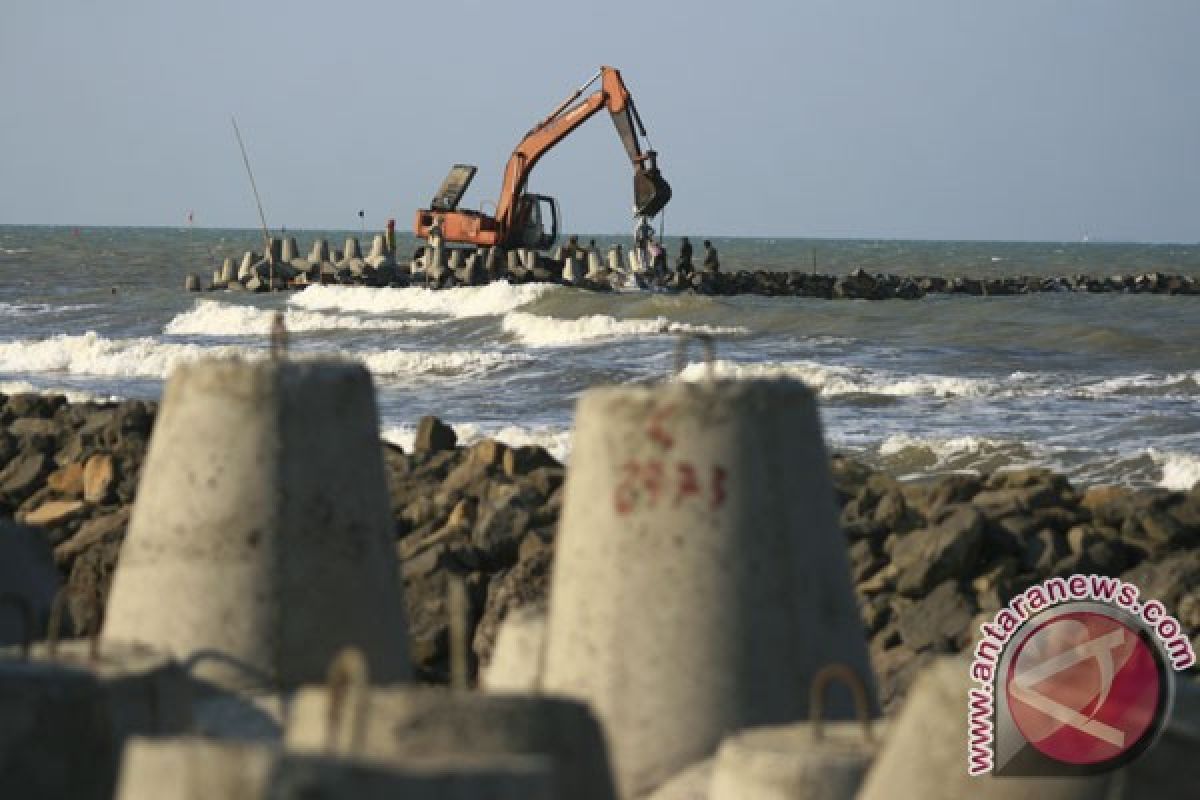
x=98 y=477
x=926 y=557
x=434 y=435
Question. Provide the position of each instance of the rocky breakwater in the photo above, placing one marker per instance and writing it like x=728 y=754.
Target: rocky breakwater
x=476 y=267
x=930 y=560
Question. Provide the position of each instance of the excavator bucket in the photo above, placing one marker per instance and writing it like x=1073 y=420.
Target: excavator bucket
x=651 y=192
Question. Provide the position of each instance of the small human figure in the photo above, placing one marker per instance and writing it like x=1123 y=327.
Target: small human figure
x=658 y=260
x=711 y=263
x=572 y=248
x=684 y=264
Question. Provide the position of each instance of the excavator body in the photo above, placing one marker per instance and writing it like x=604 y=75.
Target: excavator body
x=527 y=220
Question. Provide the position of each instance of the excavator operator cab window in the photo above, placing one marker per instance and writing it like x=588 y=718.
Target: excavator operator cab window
x=536 y=210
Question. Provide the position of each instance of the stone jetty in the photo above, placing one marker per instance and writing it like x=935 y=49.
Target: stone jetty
x=928 y=559
x=469 y=267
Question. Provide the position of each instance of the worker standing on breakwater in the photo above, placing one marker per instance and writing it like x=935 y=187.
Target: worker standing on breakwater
x=711 y=263
x=684 y=265
x=572 y=249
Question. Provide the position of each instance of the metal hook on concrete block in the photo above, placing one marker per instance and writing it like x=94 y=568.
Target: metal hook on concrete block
x=820 y=685
x=710 y=352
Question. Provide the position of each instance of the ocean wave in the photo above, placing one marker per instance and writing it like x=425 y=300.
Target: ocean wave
x=458 y=363
x=537 y=331
x=15 y=251
x=493 y=299
x=212 y=318
x=93 y=354
x=1179 y=470
x=31 y=309
x=72 y=395
x=146 y=357
x=1182 y=383
x=556 y=441
x=836 y=380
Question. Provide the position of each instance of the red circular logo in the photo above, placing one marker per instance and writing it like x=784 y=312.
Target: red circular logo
x=1084 y=688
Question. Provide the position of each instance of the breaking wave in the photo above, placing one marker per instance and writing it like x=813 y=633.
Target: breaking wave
x=493 y=299
x=835 y=380
x=211 y=318
x=145 y=357
x=538 y=331
x=555 y=440
x=30 y=309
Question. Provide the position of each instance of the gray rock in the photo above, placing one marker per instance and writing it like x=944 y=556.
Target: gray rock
x=434 y=435
x=950 y=549
x=939 y=621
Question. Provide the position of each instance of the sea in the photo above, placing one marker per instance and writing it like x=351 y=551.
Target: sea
x=1103 y=387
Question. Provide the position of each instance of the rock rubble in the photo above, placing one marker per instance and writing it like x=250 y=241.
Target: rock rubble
x=930 y=560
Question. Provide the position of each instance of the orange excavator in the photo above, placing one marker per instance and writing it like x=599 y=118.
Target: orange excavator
x=521 y=218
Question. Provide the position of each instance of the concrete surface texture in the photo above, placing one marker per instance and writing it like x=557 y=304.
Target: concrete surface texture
x=701 y=578
x=260 y=543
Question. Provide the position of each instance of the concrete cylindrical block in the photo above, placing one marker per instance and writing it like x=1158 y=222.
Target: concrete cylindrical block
x=189 y=768
x=261 y=540
x=813 y=760
x=455 y=259
x=616 y=258
x=228 y=271
x=595 y=265
x=64 y=716
x=352 y=249
x=290 y=250
x=573 y=271
x=191 y=282
x=514 y=259
x=246 y=270
x=529 y=258
x=320 y=252
x=926 y=751
x=516 y=664
x=396 y=725
x=379 y=246
x=699 y=531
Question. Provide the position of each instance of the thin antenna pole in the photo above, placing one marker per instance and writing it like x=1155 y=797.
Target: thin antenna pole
x=258 y=201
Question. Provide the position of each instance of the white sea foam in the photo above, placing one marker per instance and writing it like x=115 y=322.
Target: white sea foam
x=831 y=380
x=538 y=331
x=1179 y=383
x=493 y=299
x=211 y=318
x=1179 y=470
x=941 y=448
x=30 y=309
x=92 y=354
x=145 y=357
x=457 y=363
x=555 y=440
x=72 y=395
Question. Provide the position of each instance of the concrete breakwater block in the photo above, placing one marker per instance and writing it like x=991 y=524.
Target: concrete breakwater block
x=925 y=755
x=700 y=576
x=396 y=725
x=28 y=583
x=191 y=768
x=516 y=664
x=65 y=715
x=261 y=540
x=812 y=760
x=351 y=250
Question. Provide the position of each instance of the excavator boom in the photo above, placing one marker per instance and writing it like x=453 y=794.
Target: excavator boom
x=650 y=189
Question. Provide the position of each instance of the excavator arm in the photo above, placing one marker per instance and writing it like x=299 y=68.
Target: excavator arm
x=515 y=208
x=651 y=191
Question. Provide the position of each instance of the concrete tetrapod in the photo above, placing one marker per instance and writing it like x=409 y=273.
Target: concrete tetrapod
x=925 y=756
x=701 y=579
x=28 y=583
x=260 y=542
x=66 y=711
x=811 y=760
x=516 y=664
x=192 y=768
x=396 y=725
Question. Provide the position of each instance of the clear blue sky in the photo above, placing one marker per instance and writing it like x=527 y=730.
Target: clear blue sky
x=1022 y=119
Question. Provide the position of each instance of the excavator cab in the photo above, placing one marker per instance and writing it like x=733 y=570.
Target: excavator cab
x=533 y=212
